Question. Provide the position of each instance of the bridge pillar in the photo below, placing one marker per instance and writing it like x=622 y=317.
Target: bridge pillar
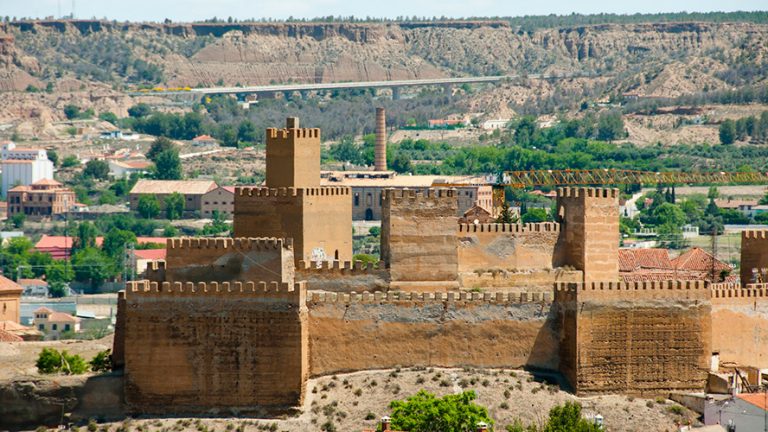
x=305 y=94
x=395 y=93
x=287 y=95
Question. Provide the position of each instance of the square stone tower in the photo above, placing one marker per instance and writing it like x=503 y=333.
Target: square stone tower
x=293 y=156
x=293 y=205
x=589 y=234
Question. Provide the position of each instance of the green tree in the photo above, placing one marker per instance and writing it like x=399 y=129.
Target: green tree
x=402 y=163
x=70 y=161
x=108 y=117
x=139 y=110
x=93 y=266
x=53 y=157
x=115 y=241
x=174 y=206
x=72 y=112
x=567 y=418
x=669 y=214
x=86 y=236
x=506 y=215
x=423 y=412
x=158 y=146
x=610 y=126
x=148 y=206
x=17 y=220
x=347 y=151
x=168 y=165
x=97 y=169
x=247 y=132
x=535 y=215
x=728 y=131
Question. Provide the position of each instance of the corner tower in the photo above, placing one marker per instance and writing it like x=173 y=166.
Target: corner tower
x=293 y=205
x=589 y=232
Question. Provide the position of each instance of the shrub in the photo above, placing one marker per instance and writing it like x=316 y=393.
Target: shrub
x=52 y=361
x=370 y=416
x=102 y=362
x=676 y=409
x=504 y=405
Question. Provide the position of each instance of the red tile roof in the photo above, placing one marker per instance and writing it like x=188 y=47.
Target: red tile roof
x=150 y=254
x=9 y=337
x=699 y=260
x=203 y=138
x=7 y=285
x=634 y=259
x=229 y=188
x=63 y=242
x=661 y=275
x=759 y=400
x=37 y=282
x=62 y=317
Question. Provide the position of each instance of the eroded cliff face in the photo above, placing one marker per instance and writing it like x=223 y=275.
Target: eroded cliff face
x=263 y=53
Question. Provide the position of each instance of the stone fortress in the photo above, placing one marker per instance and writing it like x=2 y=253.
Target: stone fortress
x=239 y=324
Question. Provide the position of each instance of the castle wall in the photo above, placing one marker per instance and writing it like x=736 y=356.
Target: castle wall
x=507 y=246
x=192 y=348
x=740 y=324
x=317 y=219
x=385 y=330
x=228 y=260
x=335 y=276
x=418 y=239
x=636 y=337
x=523 y=280
x=754 y=255
x=589 y=230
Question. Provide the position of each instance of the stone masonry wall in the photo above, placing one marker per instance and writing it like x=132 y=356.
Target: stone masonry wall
x=740 y=324
x=227 y=260
x=644 y=338
x=589 y=232
x=754 y=256
x=507 y=246
x=384 y=330
x=197 y=348
x=317 y=219
x=418 y=238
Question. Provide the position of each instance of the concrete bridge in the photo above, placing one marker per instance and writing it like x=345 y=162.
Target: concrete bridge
x=394 y=85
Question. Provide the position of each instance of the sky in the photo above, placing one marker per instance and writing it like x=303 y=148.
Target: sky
x=192 y=10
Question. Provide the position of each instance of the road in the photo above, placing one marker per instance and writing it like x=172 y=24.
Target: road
x=351 y=85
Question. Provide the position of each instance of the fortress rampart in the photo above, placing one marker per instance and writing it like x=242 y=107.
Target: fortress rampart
x=226 y=259
x=170 y=368
x=754 y=256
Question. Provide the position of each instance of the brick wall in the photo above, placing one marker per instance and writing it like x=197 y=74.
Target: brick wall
x=191 y=348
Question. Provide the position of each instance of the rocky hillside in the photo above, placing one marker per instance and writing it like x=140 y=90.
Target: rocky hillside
x=647 y=58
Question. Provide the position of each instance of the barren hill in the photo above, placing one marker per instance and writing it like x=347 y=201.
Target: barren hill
x=645 y=56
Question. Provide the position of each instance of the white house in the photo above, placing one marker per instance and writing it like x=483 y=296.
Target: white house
x=120 y=169
x=23 y=166
x=494 y=124
x=55 y=323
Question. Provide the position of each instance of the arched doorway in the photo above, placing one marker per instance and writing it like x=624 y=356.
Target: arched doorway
x=368 y=214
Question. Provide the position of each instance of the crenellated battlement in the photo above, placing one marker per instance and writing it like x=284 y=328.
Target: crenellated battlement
x=241 y=243
x=291 y=292
x=751 y=291
x=632 y=286
x=266 y=192
x=754 y=234
x=421 y=297
x=291 y=133
x=510 y=228
x=432 y=193
x=342 y=267
x=587 y=192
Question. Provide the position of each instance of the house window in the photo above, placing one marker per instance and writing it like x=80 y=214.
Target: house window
x=357 y=200
x=66 y=327
x=41 y=327
x=54 y=327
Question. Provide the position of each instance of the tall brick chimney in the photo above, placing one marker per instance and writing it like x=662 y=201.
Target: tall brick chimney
x=380 y=150
x=482 y=427
x=385 y=422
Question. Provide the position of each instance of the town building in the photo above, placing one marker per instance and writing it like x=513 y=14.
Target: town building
x=221 y=200
x=123 y=169
x=60 y=247
x=368 y=189
x=42 y=199
x=494 y=124
x=204 y=141
x=54 y=323
x=139 y=259
x=33 y=287
x=10 y=300
x=643 y=265
x=193 y=191
x=23 y=166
